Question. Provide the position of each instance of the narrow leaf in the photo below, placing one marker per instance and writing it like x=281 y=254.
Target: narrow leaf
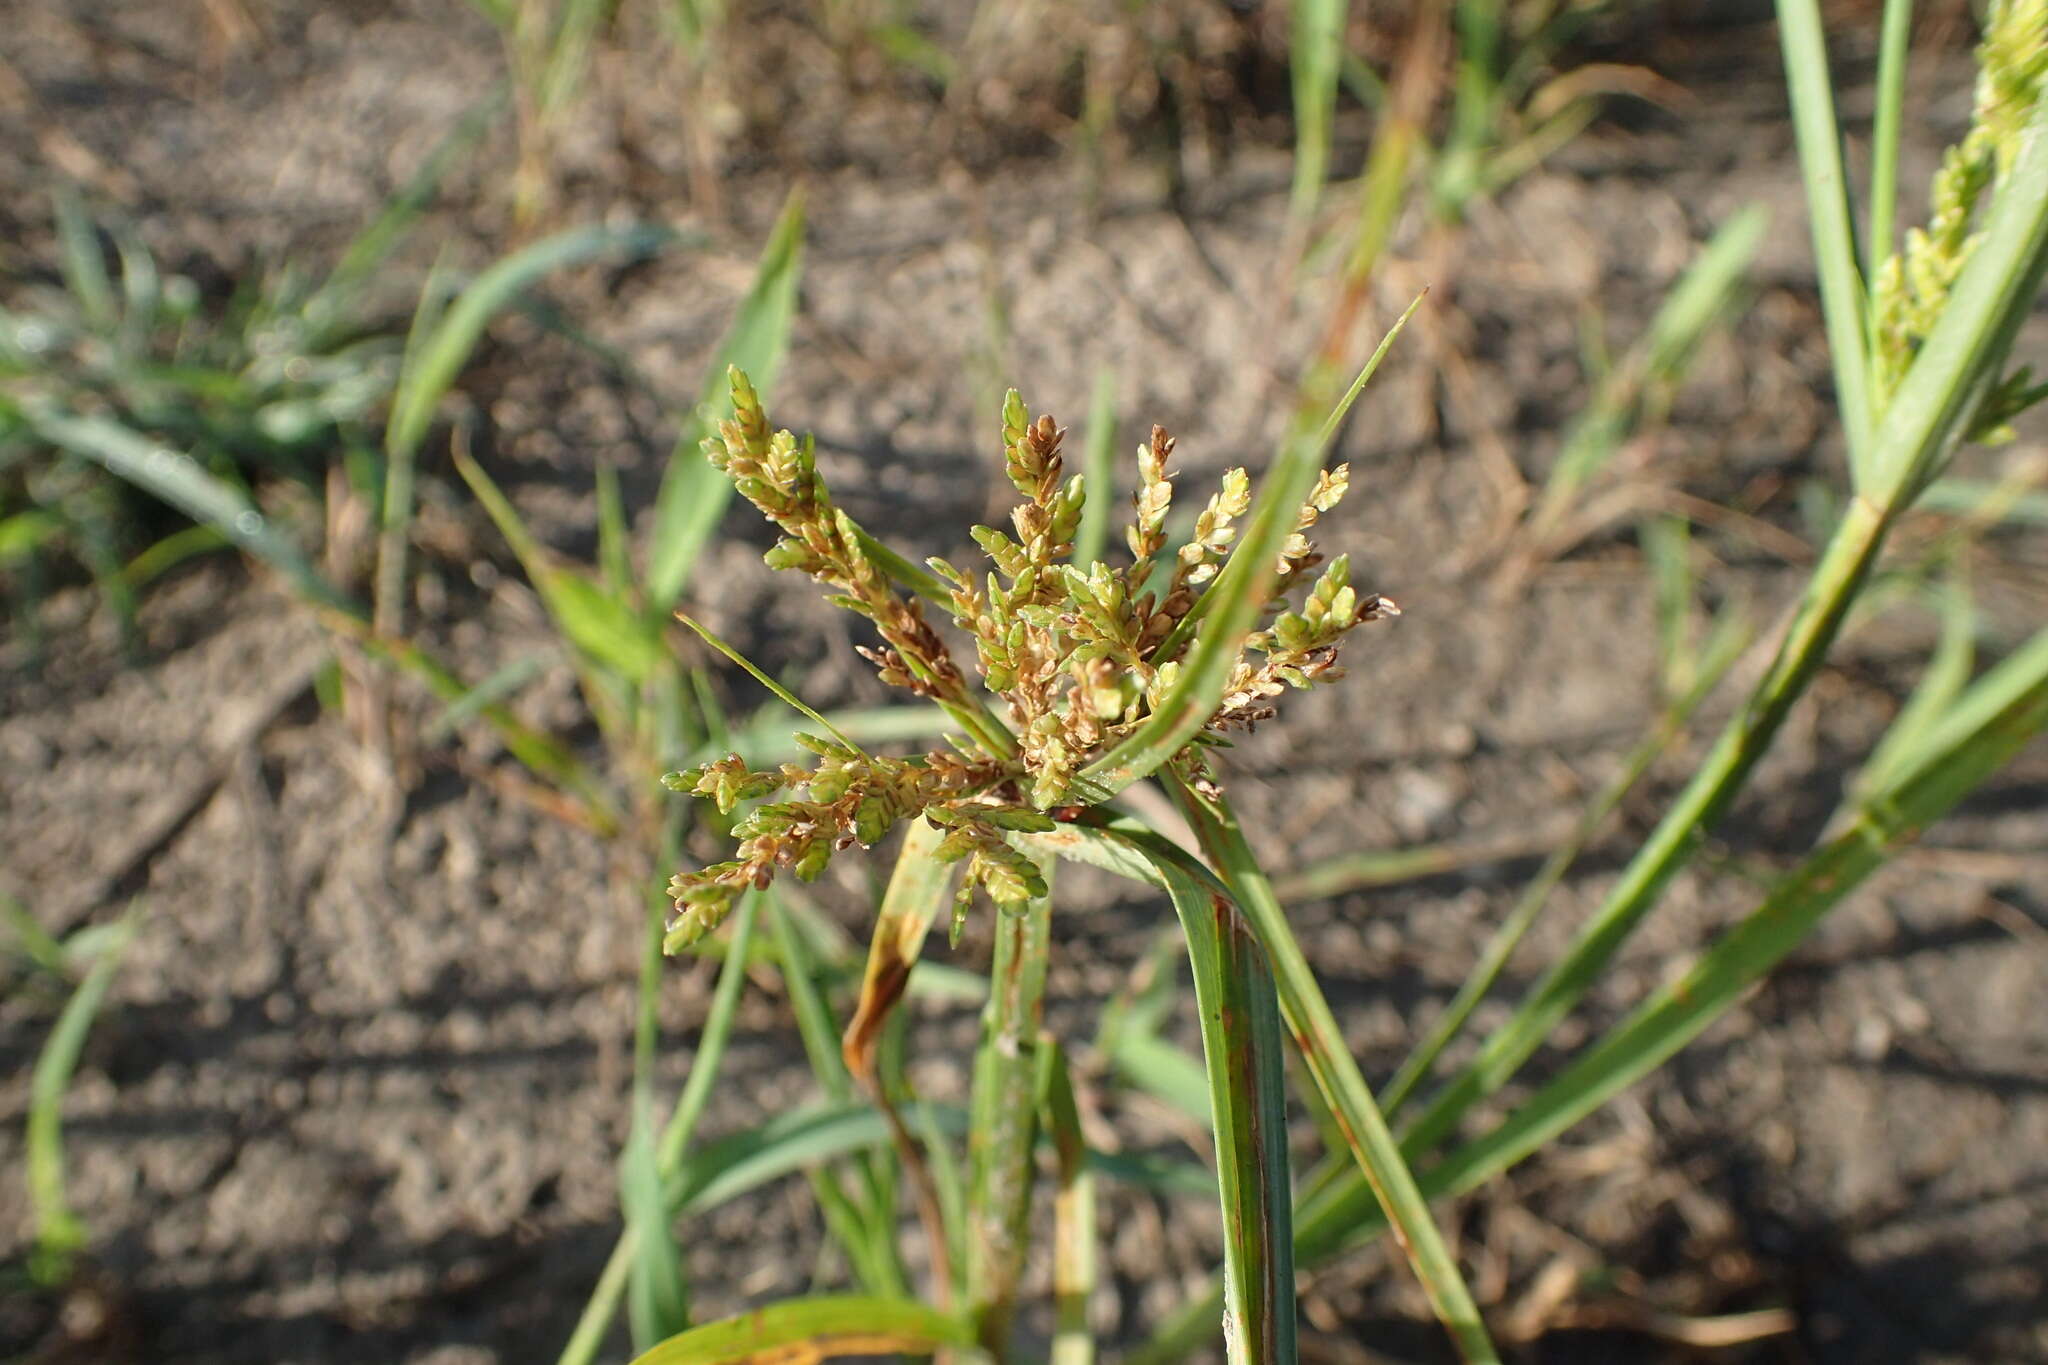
x=1231 y=604
x=1677 y=1013
x=1241 y=1046
x=176 y=478
x=1315 y=49
x=1321 y=1044
x=694 y=495
x=800 y=1330
x=656 y=1304
x=1947 y=671
x=754 y=670
x=431 y=371
x=1843 y=301
x=59 y=1235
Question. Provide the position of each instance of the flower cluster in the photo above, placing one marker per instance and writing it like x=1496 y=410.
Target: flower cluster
x=1912 y=287
x=1078 y=656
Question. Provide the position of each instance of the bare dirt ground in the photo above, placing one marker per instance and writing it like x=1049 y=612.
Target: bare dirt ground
x=364 y=1084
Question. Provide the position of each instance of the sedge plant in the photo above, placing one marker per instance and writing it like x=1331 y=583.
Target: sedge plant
x=1088 y=677
x=1085 y=680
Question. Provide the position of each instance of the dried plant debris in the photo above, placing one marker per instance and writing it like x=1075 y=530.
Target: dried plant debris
x=1077 y=655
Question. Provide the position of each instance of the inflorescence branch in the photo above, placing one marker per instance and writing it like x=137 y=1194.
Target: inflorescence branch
x=1072 y=651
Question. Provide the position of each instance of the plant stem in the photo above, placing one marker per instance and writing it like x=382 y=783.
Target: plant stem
x=1336 y=1073
x=1003 y=1124
x=1530 y=904
x=1706 y=798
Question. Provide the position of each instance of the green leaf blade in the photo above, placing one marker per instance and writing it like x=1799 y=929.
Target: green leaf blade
x=694 y=495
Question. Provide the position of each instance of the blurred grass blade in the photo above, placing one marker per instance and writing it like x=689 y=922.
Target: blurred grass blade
x=1002 y=1124
x=1246 y=1074
x=539 y=752
x=614 y=554
x=814 y=1021
x=58 y=1234
x=603 y=627
x=1388 y=866
x=568 y=51
x=368 y=251
x=431 y=370
x=1843 y=301
x=1947 y=672
x=1700 y=298
x=1477 y=104
x=710 y=1053
x=436 y=353
x=723 y=1170
x=765 y=739
x=81 y=262
x=1146 y=998
x=1330 y=1063
x=1315 y=48
x=657 y=1305
x=1667 y=548
x=32 y=940
x=1986 y=501
x=178 y=479
x=1165 y=1072
x=693 y=494
x=395 y=498
x=502 y=684
x=798 y=1330
x=1399 y=131
x=1128 y=1034
x=1073 y=1238
x=141 y=289
x=160 y=557
x=2001 y=688
x=1098 y=462
x=22 y=534
x=1227 y=610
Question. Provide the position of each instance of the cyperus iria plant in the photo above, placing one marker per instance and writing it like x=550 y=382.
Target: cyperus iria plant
x=1079 y=655
x=1105 y=675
